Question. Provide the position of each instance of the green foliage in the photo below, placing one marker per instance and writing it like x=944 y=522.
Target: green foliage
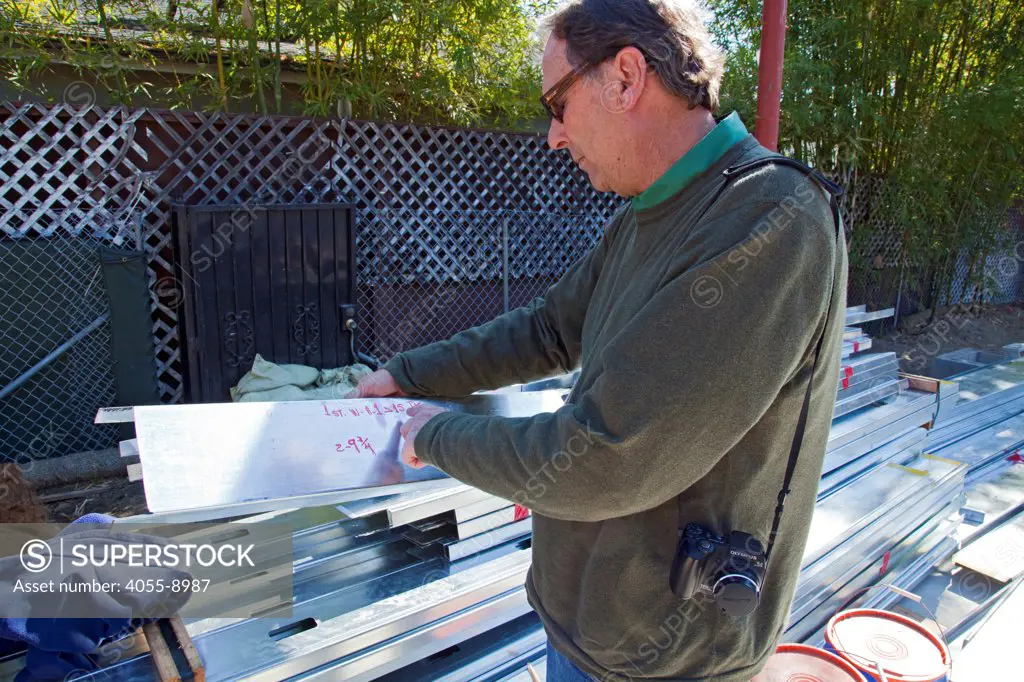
x=927 y=95
x=457 y=62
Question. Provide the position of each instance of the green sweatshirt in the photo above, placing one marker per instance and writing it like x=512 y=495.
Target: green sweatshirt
x=695 y=326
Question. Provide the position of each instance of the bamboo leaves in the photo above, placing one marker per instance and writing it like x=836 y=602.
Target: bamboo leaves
x=462 y=62
x=926 y=96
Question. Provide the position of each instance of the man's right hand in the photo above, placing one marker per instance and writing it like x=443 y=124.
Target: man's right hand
x=379 y=384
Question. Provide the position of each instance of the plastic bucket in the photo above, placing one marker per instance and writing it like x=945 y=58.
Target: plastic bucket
x=905 y=651
x=800 y=663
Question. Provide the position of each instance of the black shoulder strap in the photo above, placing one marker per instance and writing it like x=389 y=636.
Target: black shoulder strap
x=834 y=191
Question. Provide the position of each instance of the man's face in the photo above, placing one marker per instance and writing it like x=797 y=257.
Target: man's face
x=587 y=128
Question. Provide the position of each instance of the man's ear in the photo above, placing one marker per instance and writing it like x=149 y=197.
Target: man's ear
x=627 y=78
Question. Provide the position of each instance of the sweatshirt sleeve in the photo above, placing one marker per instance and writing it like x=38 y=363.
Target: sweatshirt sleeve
x=698 y=366
x=529 y=343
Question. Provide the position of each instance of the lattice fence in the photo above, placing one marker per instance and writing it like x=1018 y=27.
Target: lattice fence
x=882 y=275
x=454 y=226
x=1002 y=267
x=430 y=275
x=440 y=213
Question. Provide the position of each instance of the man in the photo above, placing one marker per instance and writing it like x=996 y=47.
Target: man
x=695 y=321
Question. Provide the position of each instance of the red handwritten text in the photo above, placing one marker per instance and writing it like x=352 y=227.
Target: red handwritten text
x=358 y=444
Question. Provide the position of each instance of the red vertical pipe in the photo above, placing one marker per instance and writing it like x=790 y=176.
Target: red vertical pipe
x=769 y=76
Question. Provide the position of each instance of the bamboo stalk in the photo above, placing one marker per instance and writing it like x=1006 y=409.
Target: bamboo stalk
x=277 y=62
x=249 y=19
x=221 y=80
x=122 y=84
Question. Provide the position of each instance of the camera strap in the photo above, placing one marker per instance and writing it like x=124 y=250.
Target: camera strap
x=834 y=191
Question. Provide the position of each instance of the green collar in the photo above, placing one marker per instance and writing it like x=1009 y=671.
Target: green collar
x=702 y=156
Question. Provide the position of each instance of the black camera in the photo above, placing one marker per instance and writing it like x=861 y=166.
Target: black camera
x=729 y=573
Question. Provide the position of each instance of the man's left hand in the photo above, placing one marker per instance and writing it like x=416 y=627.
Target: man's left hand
x=418 y=416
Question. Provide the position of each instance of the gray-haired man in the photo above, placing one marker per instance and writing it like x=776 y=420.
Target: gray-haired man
x=695 y=321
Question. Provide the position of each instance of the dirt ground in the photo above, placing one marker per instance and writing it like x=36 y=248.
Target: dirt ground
x=917 y=342
x=114 y=496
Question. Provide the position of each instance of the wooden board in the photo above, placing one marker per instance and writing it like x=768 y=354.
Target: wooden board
x=129 y=448
x=134 y=472
x=115 y=415
x=999 y=554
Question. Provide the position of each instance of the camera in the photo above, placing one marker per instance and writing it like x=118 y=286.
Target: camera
x=728 y=572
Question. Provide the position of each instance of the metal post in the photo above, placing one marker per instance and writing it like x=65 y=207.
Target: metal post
x=52 y=355
x=899 y=297
x=769 y=79
x=504 y=260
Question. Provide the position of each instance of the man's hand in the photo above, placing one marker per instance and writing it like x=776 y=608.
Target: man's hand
x=418 y=416
x=379 y=384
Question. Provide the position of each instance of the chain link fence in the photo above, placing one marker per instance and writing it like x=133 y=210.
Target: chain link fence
x=55 y=363
x=64 y=196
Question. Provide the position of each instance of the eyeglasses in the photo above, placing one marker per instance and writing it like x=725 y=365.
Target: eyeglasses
x=554 y=99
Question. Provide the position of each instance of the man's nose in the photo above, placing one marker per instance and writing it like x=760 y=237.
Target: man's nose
x=557 y=138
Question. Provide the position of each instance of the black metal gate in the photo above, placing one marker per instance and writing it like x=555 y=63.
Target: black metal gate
x=263 y=279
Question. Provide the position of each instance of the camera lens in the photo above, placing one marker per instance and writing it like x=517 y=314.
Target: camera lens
x=736 y=594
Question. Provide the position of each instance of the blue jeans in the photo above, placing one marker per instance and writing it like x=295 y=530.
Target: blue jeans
x=561 y=669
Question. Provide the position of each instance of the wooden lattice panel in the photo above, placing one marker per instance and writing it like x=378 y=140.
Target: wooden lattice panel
x=68 y=171
x=432 y=200
x=432 y=203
